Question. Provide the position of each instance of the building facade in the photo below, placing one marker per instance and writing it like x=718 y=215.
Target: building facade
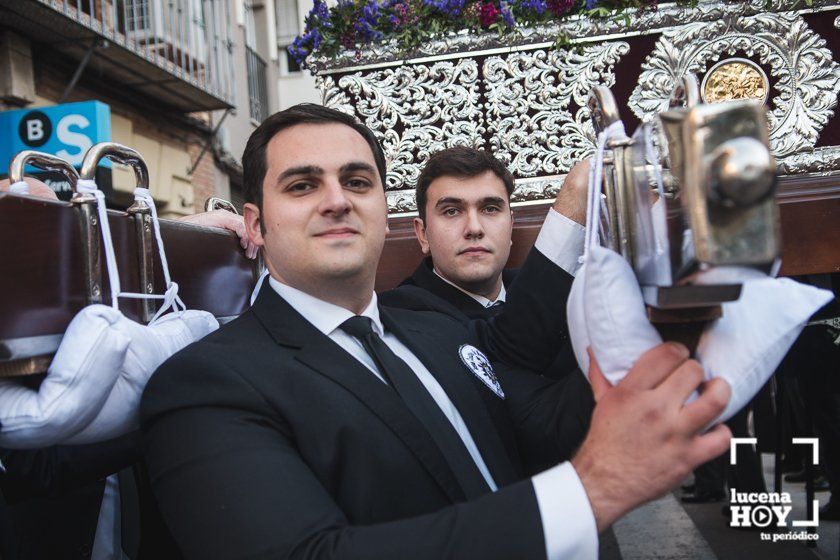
x=186 y=82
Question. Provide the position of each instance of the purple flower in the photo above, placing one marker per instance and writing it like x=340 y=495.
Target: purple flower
x=590 y=4
x=446 y=7
x=527 y=7
x=366 y=23
x=507 y=14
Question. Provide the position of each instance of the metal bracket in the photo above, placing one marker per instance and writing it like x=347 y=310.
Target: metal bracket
x=88 y=219
x=142 y=215
x=139 y=210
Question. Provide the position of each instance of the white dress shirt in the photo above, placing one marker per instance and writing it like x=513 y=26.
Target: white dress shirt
x=561 y=240
x=480 y=299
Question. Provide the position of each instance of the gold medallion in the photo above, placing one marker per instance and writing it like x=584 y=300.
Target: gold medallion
x=735 y=78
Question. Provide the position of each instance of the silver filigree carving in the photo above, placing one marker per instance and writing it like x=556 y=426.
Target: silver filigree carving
x=577 y=28
x=820 y=160
x=807 y=79
x=401 y=201
x=536 y=105
x=536 y=189
x=415 y=110
x=333 y=97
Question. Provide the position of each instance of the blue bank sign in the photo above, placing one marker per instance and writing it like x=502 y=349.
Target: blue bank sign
x=66 y=131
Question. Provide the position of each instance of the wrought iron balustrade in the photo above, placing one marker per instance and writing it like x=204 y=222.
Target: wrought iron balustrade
x=257 y=85
x=178 y=51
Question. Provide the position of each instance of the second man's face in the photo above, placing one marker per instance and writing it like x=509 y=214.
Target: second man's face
x=468 y=230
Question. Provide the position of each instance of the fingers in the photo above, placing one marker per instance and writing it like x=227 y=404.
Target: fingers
x=36 y=188
x=714 y=396
x=600 y=384
x=682 y=382
x=252 y=250
x=655 y=366
x=713 y=443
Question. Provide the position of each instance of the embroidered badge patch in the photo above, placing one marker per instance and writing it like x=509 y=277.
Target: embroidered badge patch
x=478 y=363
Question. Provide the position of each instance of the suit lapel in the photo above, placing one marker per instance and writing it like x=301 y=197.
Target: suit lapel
x=453 y=376
x=318 y=352
x=424 y=277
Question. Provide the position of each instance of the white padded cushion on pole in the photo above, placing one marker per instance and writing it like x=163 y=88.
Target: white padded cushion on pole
x=77 y=384
x=150 y=346
x=748 y=343
x=606 y=311
x=93 y=386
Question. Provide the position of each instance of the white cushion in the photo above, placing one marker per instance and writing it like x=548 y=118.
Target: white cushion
x=748 y=343
x=77 y=384
x=613 y=297
x=150 y=346
x=606 y=311
x=93 y=386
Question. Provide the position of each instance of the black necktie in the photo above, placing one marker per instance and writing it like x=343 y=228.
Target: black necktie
x=495 y=308
x=418 y=400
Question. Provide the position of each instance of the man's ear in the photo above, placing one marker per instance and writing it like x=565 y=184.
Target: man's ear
x=420 y=233
x=251 y=213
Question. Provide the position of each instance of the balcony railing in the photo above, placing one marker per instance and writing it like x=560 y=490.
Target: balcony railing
x=257 y=86
x=177 y=51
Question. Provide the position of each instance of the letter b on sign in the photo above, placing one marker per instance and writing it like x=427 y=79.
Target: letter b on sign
x=35 y=129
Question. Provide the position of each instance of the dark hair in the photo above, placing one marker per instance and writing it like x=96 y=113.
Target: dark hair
x=253 y=158
x=459 y=162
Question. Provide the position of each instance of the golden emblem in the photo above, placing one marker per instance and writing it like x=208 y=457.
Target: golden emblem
x=735 y=78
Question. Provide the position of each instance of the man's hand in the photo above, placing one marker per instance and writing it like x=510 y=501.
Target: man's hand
x=226 y=220
x=36 y=188
x=643 y=440
x=571 y=200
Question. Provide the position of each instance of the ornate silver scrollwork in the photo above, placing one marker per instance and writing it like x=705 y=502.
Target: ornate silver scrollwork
x=415 y=111
x=808 y=80
x=526 y=102
x=536 y=189
x=333 y=97
x=530 y=99
x=820 y=160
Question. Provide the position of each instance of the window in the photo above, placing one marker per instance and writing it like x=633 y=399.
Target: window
x=288 y=27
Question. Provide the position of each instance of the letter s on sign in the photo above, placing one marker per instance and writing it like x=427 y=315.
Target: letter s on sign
x=73 y=139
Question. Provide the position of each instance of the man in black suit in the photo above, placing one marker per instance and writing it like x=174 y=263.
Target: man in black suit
x=465 y=225
x=319 y=424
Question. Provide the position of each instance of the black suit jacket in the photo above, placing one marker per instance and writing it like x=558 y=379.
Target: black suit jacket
x=424 y=277
x=267 y=440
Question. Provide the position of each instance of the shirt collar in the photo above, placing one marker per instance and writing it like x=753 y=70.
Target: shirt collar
x=324 y=316
x=480 y=299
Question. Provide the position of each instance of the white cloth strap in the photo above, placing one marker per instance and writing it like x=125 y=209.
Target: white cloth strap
x=170 y=297
x=593 y=201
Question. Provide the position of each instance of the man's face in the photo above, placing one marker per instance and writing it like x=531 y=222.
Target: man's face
x=468 y=230
x=324 y=210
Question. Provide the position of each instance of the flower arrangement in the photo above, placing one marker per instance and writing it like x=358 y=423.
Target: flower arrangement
x=352 y=24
